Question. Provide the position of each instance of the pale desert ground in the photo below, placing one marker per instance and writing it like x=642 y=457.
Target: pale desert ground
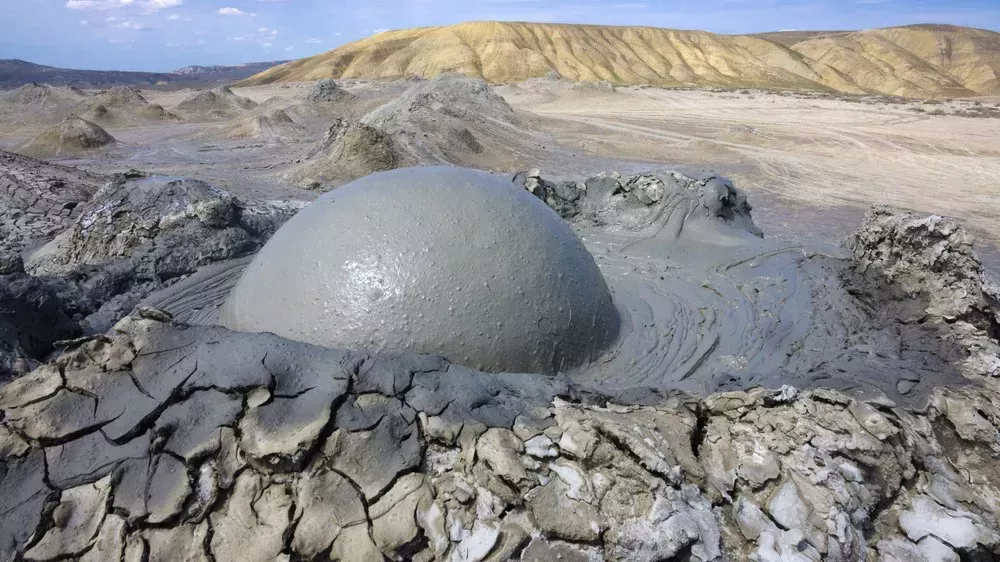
x=828 y=155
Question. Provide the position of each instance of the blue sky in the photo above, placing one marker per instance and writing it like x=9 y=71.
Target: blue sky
x=161 y=35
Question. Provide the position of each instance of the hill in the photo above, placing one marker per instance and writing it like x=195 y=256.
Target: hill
x=15 y=73
x=912 y=61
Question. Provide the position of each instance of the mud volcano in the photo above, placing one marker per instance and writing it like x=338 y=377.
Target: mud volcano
x=434 y=260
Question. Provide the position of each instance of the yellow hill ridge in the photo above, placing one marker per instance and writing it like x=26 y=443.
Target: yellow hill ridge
x=912 y=61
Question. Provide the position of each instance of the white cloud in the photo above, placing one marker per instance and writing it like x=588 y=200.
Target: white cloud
x=338 y=34
x=313 y=40
x=174 y=17
x=97 y=4
x=289 y=48
x=111 y=18
x=148 y=5
x=133 y=25
x=202 y=41
x=119 y=41
x=155 y=5
x=377 y=31
x=231 y=12
x=84 y=22
x=266 y=44
x=262 y=29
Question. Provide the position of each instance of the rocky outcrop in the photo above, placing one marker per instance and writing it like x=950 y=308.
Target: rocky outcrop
x=244 y=446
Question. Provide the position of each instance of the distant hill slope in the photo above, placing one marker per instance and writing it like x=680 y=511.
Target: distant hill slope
x=15 y=73
x=912 y=61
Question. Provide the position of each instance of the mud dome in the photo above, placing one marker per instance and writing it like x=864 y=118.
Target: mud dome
x=704 y=302
x=445 y=261
x=170 y=439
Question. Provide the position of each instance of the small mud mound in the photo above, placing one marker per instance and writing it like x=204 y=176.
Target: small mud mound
x=602 y=86
x=72 y=137
x=215 y=104
x=450 y=120
x=33 y=107
x=44 y=96
x=116 y=117
x=280 y=117
x=922 y=271
x=122 y=96
x=157 y=113
x=168 y=225
x=328 y=91
x=274 y=126
x=349 y=151
x=99 y=114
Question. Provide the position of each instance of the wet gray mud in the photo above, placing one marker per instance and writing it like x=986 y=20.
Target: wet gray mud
x=706 y=302
x=174 y=438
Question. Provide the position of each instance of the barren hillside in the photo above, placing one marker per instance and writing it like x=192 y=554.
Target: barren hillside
x=913 y=61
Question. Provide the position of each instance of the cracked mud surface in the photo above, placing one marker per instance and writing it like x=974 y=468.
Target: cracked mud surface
x=167 y=441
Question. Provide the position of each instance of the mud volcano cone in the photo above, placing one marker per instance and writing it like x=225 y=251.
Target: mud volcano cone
x=72 y=137
x=444 y=261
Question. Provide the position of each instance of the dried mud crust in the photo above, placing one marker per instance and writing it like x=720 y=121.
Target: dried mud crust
x=38 y=200
x=167 y=440
x=135 y=237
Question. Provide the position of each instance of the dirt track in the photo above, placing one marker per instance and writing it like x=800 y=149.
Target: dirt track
x=834 y=155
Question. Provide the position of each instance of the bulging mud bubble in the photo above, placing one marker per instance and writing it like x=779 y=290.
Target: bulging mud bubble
x=436 y=260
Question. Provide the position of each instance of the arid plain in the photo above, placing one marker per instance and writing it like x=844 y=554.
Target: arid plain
x=834 y=156
x=812 y=163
